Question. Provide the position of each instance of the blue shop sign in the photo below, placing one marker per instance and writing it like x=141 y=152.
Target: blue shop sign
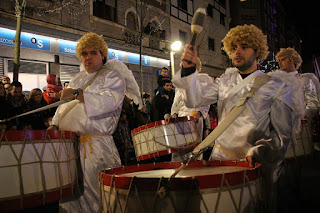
x=114 y=54
x=135 y=59
x=145 y=60
x=67 y=47
x=27 y=40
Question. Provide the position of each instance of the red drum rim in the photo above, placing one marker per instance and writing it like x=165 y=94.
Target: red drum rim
x=35 y=200
x=109 y=176
x=165 y=152
x=160 y=123
x=22 y=135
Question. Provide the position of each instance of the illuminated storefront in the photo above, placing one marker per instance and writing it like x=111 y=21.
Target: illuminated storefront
x=38 y=52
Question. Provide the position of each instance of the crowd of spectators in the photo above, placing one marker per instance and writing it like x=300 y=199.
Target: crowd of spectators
x=15 y=102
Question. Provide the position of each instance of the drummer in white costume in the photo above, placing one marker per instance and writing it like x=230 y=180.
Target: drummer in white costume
x=94 y=116
x=261 y=133
x=290 y=61
x=305 y=86
x=306 y=102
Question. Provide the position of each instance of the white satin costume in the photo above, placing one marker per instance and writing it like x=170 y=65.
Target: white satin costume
x=311 y=89
x=305 y=100
x=179 y=107
x=96 y=118
x=263 y=130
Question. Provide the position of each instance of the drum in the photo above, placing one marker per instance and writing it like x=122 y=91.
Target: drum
x=212 y=186
x=36 y=167
x=302 y=147
x=165 y=137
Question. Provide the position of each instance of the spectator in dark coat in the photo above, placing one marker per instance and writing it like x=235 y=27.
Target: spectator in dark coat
x=161 y=104
x=162 y=78
x=18 y=105
x=4 y=106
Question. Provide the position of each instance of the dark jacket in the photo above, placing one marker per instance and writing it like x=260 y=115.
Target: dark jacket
x=161 y=105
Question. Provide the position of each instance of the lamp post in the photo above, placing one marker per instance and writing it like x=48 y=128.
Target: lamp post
x=175 y=46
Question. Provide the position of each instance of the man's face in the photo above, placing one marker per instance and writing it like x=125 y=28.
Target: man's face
x=16 y=91
x=164 y=72
x=7 y=88
x=243 y=57
x=91 y=59
x=286 y=64
x=66 y=85
x=167 y=87
x=6 y=81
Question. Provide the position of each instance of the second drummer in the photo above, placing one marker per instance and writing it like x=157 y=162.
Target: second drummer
x=93 y=116
x=261 y=133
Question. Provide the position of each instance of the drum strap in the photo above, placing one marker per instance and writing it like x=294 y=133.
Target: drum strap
x=87 y=138
x=236 y=111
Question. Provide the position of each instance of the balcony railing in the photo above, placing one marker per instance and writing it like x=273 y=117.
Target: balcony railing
x=152 y=41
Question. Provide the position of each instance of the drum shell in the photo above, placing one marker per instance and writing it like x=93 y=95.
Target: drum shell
x=37 y=167
x=185 y=194
x=164 y=137
x=301 y=146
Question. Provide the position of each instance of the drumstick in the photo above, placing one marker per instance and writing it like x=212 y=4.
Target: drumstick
x=163 y=190
x=197 y=26
x=184 y=164
x=36 y=110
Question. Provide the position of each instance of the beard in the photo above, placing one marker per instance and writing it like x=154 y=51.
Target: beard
x=245 y=65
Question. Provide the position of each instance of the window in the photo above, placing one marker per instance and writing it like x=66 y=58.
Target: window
x=182 y=36
x=183 y=4
x=106 y=9
x=222 y=19
x=211 y=44
x=31 y=74
x=222 y=3
x=182 y=10
x=131 y=21
x=210 y=10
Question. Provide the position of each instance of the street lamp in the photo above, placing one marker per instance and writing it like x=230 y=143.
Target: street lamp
x=175 y=46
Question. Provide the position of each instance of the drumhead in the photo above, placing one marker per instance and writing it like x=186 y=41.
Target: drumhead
x=188 y=172
x=37 y=167
x=208 y=173
x=160 y=123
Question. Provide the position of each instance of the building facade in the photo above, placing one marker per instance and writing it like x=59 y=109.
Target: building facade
x=131 y=28
x=270 y=17
x=216 y=26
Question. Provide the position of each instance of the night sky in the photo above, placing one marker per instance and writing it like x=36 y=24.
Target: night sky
x=304 y=16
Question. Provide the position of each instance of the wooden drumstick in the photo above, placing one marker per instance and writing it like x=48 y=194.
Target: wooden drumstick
x=35 y=110
x=197 y=26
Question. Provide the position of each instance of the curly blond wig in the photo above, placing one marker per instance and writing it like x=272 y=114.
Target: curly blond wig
x=291 y=54
x=250 y=34
x=92 y=40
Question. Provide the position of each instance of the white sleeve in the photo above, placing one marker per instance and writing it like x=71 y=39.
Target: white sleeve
x=194 y=93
